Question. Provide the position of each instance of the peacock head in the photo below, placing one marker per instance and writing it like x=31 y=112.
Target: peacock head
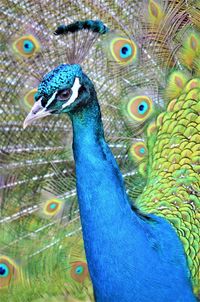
x=66 y=89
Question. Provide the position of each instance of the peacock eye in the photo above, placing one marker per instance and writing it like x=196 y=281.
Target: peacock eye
x=4 y=270
x=126 y=51
x=30 y=97
x=52 y=207
x=8 y=271
x=123 y=51
x=139 y=108
x=64 y=94
x=26 y=46
x=79 y=271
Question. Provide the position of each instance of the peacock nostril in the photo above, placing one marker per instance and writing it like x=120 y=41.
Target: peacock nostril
x=37 y=107
x=35 y=111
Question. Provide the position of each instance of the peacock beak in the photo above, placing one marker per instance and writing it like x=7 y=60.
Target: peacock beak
x=37 y=112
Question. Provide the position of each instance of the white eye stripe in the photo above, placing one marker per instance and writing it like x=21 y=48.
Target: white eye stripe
x=51 y=99
x=74 y=95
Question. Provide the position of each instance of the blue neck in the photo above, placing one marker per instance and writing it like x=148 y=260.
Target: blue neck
x=100 y=186
x=129 y=258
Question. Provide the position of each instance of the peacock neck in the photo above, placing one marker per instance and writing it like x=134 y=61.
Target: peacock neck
x=100 y=184
x=117 y=241
x=87 y=128
x=104 y=208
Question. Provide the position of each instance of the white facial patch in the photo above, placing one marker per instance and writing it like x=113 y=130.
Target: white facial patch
x=51 y=99
x=74 y=95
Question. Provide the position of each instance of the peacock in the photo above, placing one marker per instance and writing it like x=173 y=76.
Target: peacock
x=100 y=193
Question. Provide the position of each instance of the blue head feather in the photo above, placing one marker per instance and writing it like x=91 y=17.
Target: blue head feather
x=61 y=77
x=65 y=89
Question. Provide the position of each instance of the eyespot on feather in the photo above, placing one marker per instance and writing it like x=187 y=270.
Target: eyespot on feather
x=155 y=12
x=123 y=50
x=52 y=207
x=176 y=83
x=193 y=43
x=29 y=98
x=139 y=108
x=26 y=46
x=194 y=83
x=190 y=50
x=79 y=271
x=9 y=272
x=152 y=128
x=138 y=151
x=120 y=49
x=153 y=9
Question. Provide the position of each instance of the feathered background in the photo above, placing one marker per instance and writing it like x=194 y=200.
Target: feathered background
x=41 y=249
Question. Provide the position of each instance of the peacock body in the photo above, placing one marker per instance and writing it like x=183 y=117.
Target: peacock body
x=141 y=239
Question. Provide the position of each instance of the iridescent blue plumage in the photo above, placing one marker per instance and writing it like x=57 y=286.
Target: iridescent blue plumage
x=59 y=78
x=131 y=257
x=145 y=71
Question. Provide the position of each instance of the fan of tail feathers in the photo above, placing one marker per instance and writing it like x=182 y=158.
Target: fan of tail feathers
x=146 y=70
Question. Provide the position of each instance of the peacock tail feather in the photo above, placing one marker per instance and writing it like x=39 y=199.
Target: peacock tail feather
x=173 y=171
x=146 y=71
